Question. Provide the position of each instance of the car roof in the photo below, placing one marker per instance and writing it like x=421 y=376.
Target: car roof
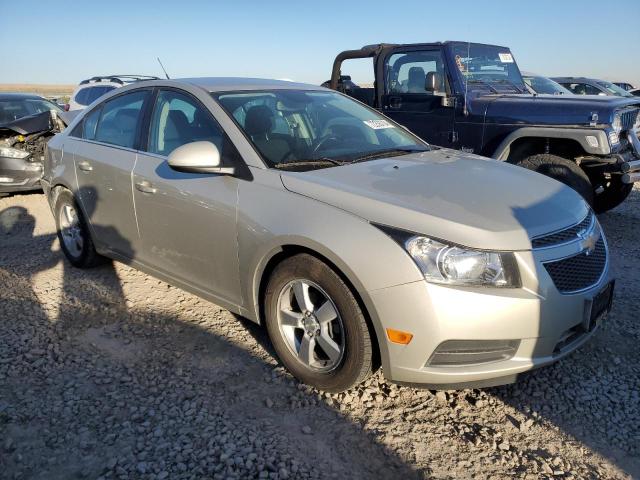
x=19 y=96
x=227 y=84
x=577 y=79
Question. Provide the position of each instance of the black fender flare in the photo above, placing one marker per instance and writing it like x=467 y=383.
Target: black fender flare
x=577 y=134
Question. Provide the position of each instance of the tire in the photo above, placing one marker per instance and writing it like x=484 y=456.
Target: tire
x=615 y=192
x=73 y=233
x=327 y=370
x=563 y=170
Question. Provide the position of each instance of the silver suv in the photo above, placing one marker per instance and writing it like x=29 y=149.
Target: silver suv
x=354 y=242
x=89 y=90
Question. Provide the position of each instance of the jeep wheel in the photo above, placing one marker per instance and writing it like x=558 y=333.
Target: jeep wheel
x=615 y=192
x=563 y=170
x=316 y=325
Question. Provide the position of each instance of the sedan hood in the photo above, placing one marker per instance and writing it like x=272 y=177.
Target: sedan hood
x=461 y=198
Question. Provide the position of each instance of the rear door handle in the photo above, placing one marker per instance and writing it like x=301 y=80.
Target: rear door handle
x=145 y=187
x=85 y=166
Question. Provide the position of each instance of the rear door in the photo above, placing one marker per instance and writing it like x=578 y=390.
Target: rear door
x=407 y=100
x=187 y=221
x=104 y=161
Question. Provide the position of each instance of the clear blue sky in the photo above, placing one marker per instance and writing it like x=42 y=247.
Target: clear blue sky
x=65 y=41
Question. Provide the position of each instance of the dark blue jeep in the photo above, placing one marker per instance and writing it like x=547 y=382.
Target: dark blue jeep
x=472 y=97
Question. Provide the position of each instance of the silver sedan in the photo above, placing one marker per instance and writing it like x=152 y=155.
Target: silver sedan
x=354 y=242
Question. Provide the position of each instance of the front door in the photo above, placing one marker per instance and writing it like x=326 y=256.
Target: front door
x=104 y=159
x=187 y=221
x=409 y=102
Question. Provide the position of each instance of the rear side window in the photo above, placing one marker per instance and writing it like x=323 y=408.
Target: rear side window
x=119 y=119
x=89 y=124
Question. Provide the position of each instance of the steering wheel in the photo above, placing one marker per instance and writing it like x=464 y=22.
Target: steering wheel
x=322 y=140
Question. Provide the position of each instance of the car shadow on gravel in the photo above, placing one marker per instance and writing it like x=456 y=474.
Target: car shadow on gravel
x=98 y=385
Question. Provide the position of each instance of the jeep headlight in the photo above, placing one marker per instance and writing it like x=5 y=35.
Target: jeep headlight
x=453 y=265
x=13 y=152
x=616 y=124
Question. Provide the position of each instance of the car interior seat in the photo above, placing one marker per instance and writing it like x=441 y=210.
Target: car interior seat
x=259 y=124
x=416 y=80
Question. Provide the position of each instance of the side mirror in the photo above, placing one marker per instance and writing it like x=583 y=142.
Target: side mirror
x=432 y=82
x=198 y=157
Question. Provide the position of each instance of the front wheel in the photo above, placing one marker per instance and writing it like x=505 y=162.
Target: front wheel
x=613 y=193
x=73 y=233
x=316 y=325
x=561 y=169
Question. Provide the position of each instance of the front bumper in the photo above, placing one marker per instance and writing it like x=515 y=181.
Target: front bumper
x=537 y=315
x=19 y=174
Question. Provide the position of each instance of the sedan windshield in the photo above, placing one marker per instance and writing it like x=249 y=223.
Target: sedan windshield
x=11 y=110
x=311 y=129
x=614 y=89
x=487 y=66
x=545 y=86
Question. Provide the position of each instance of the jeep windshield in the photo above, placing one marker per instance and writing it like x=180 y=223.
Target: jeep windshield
x=302 y=129
x=487 y=67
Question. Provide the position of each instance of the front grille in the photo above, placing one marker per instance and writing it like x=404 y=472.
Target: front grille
x=563 y=236
x=580 y=271
x=628 y=118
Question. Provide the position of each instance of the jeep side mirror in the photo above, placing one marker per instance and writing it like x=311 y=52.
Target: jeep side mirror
x=198 y=157
x=432 y=82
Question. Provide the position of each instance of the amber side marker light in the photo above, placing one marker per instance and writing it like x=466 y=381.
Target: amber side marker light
x=396 y=336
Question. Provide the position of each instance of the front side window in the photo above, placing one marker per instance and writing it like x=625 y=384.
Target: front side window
x=298 y=126
x=583 y=89
x=408 y=72
x=119 y=119
x=487 y=67
x=179 y=119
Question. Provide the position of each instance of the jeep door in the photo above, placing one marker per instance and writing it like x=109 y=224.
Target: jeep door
x=409 y=100
x=104 y=149
x=187 y=221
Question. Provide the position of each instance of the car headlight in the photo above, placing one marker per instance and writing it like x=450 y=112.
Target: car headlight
x=453 y=265
x=13 y=152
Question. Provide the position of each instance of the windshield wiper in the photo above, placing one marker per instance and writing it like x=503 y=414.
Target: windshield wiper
x=326 y=161
x=392 y=152
x=485 y=83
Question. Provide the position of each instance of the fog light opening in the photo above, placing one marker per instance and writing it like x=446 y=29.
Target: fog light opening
x=469 y=352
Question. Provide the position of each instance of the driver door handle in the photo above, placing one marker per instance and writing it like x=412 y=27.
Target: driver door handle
x=145 y=187
x=85 y=166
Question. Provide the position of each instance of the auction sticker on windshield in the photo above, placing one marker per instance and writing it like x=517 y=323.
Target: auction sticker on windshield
x=505 y=57
x=377 y=124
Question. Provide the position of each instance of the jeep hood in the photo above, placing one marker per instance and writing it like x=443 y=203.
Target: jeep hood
x=457 y=197
x=548 y=109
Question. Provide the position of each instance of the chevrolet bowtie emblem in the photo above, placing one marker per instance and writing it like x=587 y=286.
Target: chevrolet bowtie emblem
x=588 y=240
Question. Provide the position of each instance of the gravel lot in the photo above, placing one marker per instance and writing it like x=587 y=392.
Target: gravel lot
x=109 y=373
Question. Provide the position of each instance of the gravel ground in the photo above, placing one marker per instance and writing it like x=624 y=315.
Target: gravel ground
x=109 y=373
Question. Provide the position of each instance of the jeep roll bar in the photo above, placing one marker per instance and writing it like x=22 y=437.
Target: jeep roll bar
x=368 y=51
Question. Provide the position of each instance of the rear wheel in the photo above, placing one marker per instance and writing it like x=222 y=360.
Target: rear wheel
x=73 y=233
x=615 y=192
x=561 y=169
x=316 y=325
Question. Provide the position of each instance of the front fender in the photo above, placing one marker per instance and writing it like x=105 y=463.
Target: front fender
x=577 y=134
